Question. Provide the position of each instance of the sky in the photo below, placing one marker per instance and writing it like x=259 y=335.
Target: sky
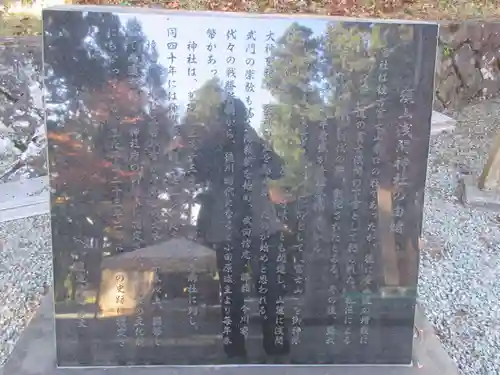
x=193 y=28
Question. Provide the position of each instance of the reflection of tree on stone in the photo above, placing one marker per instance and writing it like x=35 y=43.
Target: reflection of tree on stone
x=349 y=68
x=327 y=78
x=291 y=77
x=339 y=78
x=202 y=109
x=88 y=98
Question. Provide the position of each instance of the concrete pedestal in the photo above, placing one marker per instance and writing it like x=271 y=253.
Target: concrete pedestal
x=471 y=195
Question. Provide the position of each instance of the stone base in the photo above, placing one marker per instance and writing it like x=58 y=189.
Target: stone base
x=471 y=195
x=25 y=198
x=35 y=354
x=441 y=123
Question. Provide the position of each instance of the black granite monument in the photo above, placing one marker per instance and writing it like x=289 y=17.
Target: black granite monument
x=231 y=189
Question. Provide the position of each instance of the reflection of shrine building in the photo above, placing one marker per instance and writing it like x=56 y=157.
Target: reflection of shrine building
x=156 y=273
x=159 y=275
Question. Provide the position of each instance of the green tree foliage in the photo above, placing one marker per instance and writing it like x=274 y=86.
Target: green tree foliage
x=202 y=108
x=322 y=78
x=348 y=65
x=291 y=78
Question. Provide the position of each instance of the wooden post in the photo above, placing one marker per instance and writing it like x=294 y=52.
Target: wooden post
x=387 y=240
x=490 y=177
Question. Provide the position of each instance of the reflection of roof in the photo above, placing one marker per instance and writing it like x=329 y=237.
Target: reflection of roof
x=176 y=255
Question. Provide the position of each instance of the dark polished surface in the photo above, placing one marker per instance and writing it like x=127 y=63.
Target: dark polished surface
x=235 y=189
x=34 y=354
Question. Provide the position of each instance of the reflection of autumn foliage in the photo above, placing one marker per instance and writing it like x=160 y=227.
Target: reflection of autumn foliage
x=90 y=169
x=118 y=97
x=81 y=174
x=83 y=162
x=83 y=165
x=108 y=125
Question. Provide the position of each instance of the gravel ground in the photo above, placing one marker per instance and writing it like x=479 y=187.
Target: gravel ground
x=460 y=258
x=460 y=270
x=25 y=261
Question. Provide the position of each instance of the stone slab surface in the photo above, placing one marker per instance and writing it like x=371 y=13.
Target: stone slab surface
x=35 y=355
x=132 y=188
x=471 y=195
